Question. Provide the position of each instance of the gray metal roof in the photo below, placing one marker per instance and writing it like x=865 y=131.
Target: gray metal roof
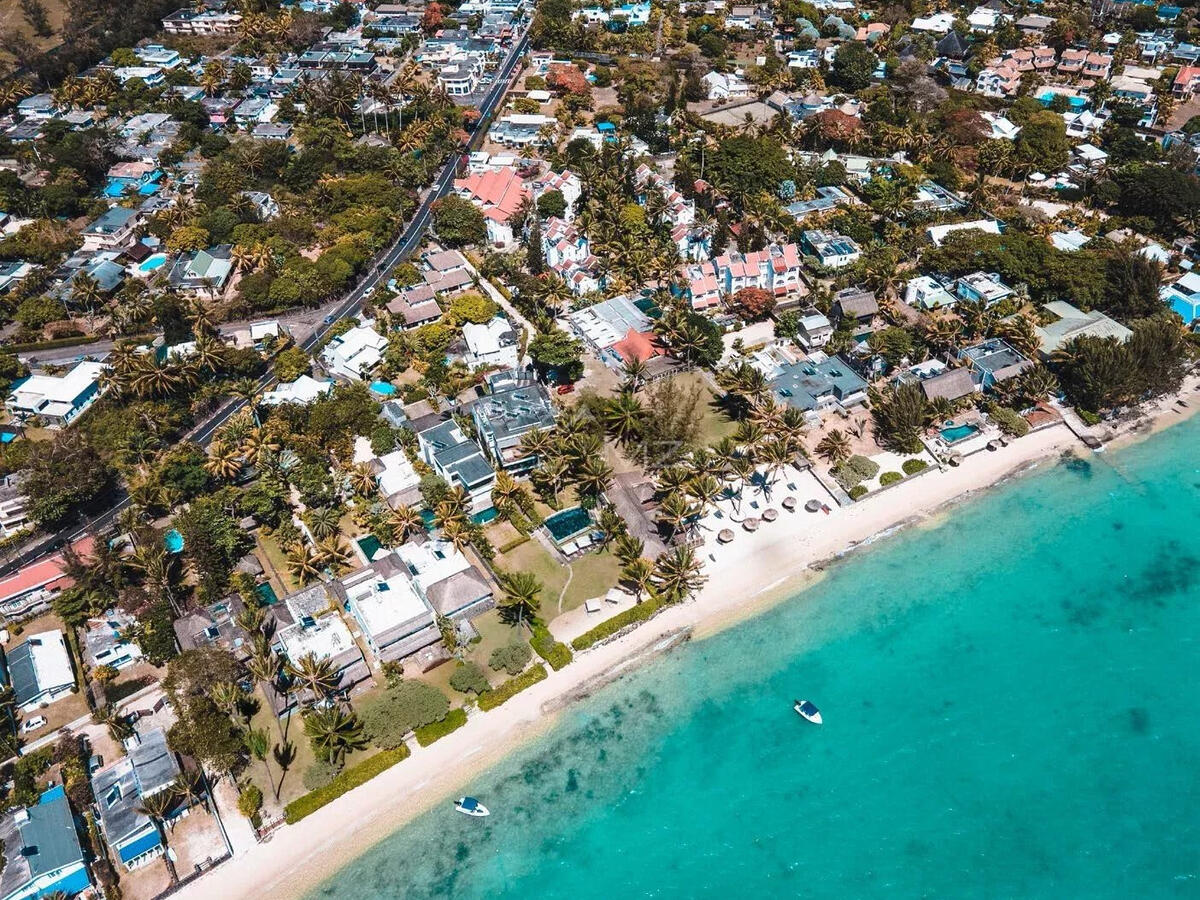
x=21 y=674
x=119 y=788
x=803 y=384
x=38 y=840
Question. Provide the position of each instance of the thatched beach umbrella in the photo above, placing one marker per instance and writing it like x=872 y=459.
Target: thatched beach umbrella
x=750 y=524
x=812 y=505
x=789 y=503
x=770 y=515
x=725 y=535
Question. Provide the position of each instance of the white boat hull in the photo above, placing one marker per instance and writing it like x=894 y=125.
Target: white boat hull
x=479 y=811
x=814 y=716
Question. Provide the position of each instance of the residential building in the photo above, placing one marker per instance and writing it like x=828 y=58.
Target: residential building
x=516 y=405
x=148 y=768
x=938 y=382
x=828 y=198
x=1073 y=323
x=395 y=475
x=818 y=383
x=775 y=268
x=42 y=853
x=604 y=324
x=498 y=194
x=446 y=579
x=56 y=400
x=38 y=670
x=105 y=643
x=993 y=361
x=459 y=461
x=491 y=344
x=414 y=306
x=30 y=590
x=394 y=619
x=855 y=303
x=459 y=80
x=12 y=273
x=303 y=390
x=927 y=292
x=813 y=329
x=14 y=514
x=1186 y=83
x=1183 y=296
x=832 y=250
x=932 y=197
x=354 y=354
x=113 y=230
x=317 y=629
x=203 y=271
x=38 y=108
x=209 y=21
x=216 y=626
x=987 y=288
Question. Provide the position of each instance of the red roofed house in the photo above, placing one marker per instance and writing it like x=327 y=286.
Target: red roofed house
x=498 y=194
x=31 y=589
x=1187 y=82
x=639 y=345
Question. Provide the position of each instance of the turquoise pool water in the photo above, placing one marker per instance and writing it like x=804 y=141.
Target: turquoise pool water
x=173 y=541
x=1076 y=103
x=958 y=433
x=568 y=523
x=369 y=545
x=151 y=263
x=267 y=594
x=383 y=388
x=1009 y=705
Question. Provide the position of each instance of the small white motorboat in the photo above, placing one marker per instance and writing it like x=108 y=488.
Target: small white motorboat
x=469 y=806
x=808 y=710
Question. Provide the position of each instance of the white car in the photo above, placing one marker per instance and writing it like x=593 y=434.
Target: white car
x=33 y=724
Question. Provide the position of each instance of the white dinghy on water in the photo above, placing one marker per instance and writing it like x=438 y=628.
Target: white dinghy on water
x=469 y=806
x=808 y=710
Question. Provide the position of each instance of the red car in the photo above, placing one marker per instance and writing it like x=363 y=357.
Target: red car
x=565 y=388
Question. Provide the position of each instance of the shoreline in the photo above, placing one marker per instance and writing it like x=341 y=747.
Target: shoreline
x=745 y=577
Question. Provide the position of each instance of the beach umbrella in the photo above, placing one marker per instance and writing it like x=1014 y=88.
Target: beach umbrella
x=789 y=503
x=813 y=505
x=725 y=535
x=750 y=524
x=770 y=515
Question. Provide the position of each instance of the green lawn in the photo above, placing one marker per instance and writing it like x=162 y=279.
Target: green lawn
x=714 y=424
x=534 y=558
x=277 y=560
x=591 y=576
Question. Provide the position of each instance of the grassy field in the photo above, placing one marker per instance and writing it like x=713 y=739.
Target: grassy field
x=12 y=20
x=714 y=424
x=591 y=575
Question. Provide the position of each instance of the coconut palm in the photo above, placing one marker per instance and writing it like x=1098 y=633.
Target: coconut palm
x=672 y=480
x=1021 y=332
x=628 y=547
x=677 y=574
x=593 y=477
x=323 y=521
x=458 y=533
x=835 y=446
x=303 y=563
x=404 y=521
x=228 y=696
x=638 y=574
x=156 y=807
x=520 y=598
x=675 y=512
x=284 y=755
x=551 y=476
x=333 y=732
x=537 y=442
x=361 y=479
x=633 y=374
x=705 y=489
x=316 y=674
x=623 y=417
x=224 y=461
x=333 y=553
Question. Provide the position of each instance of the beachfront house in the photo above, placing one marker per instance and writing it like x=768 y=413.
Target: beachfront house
x=148 y=768
x=38 y=670
x=516 y=405
x=41 y=848
x=394 y=619
x=1183 y=297
x=459 y=461
x=1072 y=323
x=816 y=384
x=317 y=629
x=993 y=361
x=56 y=400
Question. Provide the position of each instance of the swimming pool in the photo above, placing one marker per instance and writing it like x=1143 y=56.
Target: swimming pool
x=267 y=594
x=383 y=388
x=173 y=541
x=566 y=524
x=370 y=546
x=151 y=263
x=1076 y=103
x=957 y=433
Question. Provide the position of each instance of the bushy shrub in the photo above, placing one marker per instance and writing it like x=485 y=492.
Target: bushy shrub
x=552 y=651
x=320 y=774
x=859 y=490
x=512 y=687
x=1010 y=422
x=890 y=478
x=250 y=802
x=427 y=734
x=469 y=678
x=855 y=470
x=348 y=780
x=403 y=706
x=639 y=612
x=913 y=466
x=512 y=658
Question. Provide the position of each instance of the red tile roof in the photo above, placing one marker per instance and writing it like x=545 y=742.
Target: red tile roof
x=49 y=573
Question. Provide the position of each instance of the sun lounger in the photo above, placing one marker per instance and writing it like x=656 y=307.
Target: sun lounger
x=591 y=605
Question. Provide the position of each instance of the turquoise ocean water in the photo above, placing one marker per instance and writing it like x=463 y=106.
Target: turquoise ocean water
x=1011 y=711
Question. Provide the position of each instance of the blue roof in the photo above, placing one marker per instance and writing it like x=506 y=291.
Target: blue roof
x=143 y=844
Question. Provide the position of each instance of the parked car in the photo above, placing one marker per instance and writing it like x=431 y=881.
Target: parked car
x=33 y=724
x=329 y=320
x=565 y=388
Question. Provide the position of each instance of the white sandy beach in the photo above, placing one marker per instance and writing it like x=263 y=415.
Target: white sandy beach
x=742 y=577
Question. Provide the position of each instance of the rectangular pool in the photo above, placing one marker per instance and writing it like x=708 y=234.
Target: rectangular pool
x=958 y=433
x=566 y=524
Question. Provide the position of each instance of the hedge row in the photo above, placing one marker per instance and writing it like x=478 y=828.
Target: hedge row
x=639 y=612
x=552 y=651
x=512 y=687
x=513 y=544
x=346 y=781
x=453 y=720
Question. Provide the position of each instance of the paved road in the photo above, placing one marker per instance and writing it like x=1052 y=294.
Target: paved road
x=408 y=241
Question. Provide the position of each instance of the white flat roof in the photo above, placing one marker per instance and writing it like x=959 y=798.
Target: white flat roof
x=385 y=604
x=325 y=640
x=51 y=661
x=58 y=388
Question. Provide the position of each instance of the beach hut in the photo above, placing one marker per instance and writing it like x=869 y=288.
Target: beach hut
x=725 y=535
x=770 y=514
x=789 y=503
x=750 y=524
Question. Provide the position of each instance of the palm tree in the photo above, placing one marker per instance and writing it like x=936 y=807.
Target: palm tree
x=405 y=521
x=628 y=547
x=633 y=373
x=594 y=476
x=361 y=479
x=189 y=786
x=675 y=512
x=228 y=696
x=304 y=564
x=677 y=574
x=333 y=732
x=552 y=476
x=156 y=807
x=521 y=593
x=638 y=574
x=333 y=553
x=457 y=532
x=317 y=674
x=324 y=522
x=706 y=489
x=223 y=461
x=835 y=446
x=506 y=492
x=623 y=416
